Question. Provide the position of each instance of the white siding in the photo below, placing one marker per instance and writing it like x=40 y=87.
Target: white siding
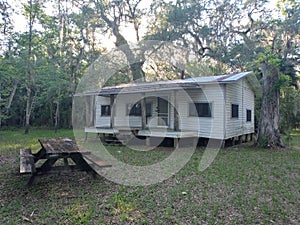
x=101 y=121
x=239 y=93
x=211 y=127
x=248 y=127
x=121 y=119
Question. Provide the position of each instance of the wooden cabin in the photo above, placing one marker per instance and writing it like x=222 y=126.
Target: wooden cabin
x=219 y=107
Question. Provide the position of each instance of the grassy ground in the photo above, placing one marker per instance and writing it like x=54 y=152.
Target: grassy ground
x=243 y=185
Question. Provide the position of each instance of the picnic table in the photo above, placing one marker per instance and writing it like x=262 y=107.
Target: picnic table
x=54 y=149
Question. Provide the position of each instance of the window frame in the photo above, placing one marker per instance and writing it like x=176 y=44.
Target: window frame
x=208 y=114
x=106 y=114
x=234 y=114
x=248 y=117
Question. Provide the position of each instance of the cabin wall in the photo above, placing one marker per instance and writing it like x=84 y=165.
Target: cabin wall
x=101 y=121
x=121 y=119
x=249 y=104
x=209 y=127
x=239 y=93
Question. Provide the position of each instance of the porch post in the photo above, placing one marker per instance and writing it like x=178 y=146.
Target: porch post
x=143 y=111
x=93 y=110
x=147 y=141
x=176 y=142
x=176 y=119
x=112 y=111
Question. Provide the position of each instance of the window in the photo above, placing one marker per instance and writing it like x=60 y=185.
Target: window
x=105 y=110
x=248 y=116
x=234 y=111
x=136 y=109
x=200 y=109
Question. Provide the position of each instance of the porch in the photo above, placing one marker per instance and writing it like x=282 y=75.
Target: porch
x=156 y=132
x=122 y=135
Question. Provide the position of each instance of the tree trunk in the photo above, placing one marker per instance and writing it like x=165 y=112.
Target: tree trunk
x=137 y=71
x=57 y=112
x=28 y=111
x=11 y=97
x=268 y=127
x=134 y=61
x=28 y=81
x=71 y=124
x=135 y=64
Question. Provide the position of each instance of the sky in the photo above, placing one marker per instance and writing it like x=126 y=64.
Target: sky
x=107 y=41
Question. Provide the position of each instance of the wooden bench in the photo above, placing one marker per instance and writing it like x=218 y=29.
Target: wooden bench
x=27 y=162
x=95 y=162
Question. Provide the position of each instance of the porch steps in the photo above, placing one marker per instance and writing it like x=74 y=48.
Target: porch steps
x=120 y=139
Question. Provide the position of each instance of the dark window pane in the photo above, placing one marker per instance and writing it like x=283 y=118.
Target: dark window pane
x=200 y=109
x=105 y=110
x=134 y=109
x=234 y=111
x=249 y=116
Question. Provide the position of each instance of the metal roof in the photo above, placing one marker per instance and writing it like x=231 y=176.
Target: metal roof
x=193 y=82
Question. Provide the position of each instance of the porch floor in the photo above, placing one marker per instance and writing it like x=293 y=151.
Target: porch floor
x=152 y=132
x=167 y=133
x=102 y=130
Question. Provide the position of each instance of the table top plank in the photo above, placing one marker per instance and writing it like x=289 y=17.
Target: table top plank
x=60 y=146
x=96 y=160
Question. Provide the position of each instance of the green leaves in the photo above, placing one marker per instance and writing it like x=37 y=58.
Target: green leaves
x=268 y=58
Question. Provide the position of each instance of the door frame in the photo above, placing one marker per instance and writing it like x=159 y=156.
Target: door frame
x=165 y=115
